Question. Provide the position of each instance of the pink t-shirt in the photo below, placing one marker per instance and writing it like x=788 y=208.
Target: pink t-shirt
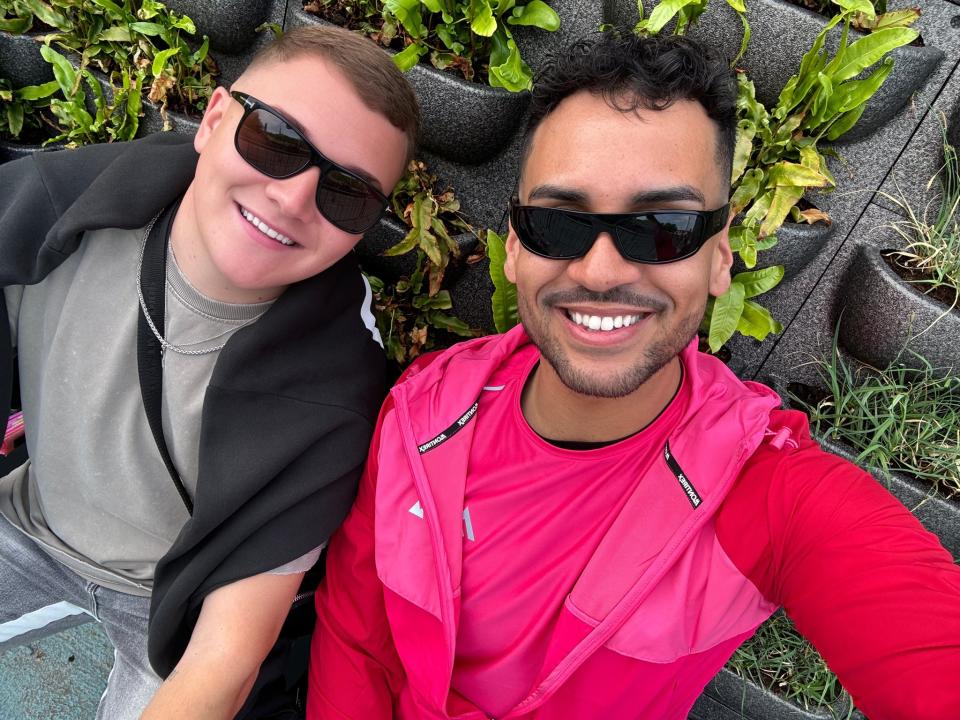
x=534 y=515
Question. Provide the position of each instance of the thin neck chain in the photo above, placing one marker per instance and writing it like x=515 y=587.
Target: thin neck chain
x=164 y=343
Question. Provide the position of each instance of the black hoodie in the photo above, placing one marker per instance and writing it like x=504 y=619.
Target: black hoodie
x=289 y=409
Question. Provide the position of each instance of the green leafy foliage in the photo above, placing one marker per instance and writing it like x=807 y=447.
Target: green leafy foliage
x=472 y=37
x=412 y=313
x=685 y=13
x=137 y=43
x=865 y=15
x=24 y=112
x=504 y=301
x=776 y=158
x=72 y=109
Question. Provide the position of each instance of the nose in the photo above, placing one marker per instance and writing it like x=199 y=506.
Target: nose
x=296 y=196
x=603 y=267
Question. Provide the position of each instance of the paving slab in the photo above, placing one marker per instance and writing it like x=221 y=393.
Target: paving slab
x=58 y=678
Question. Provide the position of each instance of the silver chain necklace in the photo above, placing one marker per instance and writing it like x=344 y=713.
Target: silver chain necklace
x=164 y=344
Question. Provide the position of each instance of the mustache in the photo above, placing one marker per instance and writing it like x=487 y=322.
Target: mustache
x=614 y=296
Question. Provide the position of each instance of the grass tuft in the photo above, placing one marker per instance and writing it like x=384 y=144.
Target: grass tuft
x=897 y=419
x=780 y=659
x=933 y=249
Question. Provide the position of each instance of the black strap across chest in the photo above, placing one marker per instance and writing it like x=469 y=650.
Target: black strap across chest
x=153 y=279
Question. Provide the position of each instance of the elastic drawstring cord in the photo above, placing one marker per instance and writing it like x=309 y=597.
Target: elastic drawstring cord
x=781 y=437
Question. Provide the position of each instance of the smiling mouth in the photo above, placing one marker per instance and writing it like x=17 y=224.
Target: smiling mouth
x=604 y=323
x=265 y=229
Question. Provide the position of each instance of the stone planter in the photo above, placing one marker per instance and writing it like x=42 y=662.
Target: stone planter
x=387 y=233
x=21 y=62
x=791 y=30
x=463 y=121
x=14 y=151
x=880 y=313
x=730 y=696
x=797 y=244
x=471 y=293
x=231 y=25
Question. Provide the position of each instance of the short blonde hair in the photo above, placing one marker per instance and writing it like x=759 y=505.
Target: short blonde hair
x=379 y=83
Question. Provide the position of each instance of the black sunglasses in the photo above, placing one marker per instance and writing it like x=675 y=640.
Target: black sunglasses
x=654 y=236
x=272 y=145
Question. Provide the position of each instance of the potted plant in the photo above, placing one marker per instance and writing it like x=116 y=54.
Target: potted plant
x=133 y=44
x=410 y=258
x=791 y=30
x=900 y=423
x=921 y=279
x=464 y=121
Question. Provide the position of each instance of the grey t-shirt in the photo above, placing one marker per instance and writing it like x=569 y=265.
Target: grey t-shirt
x=95 y=493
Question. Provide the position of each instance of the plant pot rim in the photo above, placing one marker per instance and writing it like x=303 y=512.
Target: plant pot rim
x=764 y=697
x=874 y=258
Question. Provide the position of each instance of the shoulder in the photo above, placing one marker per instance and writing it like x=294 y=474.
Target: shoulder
x=798 y=480
x=791 y=508
x=800 y=474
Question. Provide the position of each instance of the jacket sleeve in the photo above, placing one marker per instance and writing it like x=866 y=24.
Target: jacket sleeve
x=355 y=672
x=874 y=591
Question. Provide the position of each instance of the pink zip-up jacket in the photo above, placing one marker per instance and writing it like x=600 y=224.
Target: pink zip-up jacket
x=657 y=610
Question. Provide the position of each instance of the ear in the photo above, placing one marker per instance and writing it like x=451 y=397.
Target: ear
x=513 y=251
x=721 y=260
x=216 y=111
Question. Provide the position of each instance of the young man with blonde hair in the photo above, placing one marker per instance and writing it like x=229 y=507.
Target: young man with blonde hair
x=199 y=369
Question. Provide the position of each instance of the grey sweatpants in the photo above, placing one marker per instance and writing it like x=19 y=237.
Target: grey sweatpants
x=39 y=596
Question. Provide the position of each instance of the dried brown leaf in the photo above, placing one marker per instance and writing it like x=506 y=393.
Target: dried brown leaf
x=161 y=85
x=812 y=215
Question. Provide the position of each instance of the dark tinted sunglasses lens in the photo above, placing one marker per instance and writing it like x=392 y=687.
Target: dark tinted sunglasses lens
x=552 y=233
x=659 y=237
x=348 y=202
x=270 y=145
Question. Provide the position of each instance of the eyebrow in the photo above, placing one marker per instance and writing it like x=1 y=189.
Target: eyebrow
x=674 y=193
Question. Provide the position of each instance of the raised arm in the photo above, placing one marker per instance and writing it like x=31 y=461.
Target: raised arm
x=861 y=578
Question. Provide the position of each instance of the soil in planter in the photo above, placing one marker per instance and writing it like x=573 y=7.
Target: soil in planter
x=33 y=135
x=807 y=395
x=923 y=282
x=344 y=14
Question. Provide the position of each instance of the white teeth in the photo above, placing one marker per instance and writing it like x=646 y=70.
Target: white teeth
x=603 y=323
x=264 y=228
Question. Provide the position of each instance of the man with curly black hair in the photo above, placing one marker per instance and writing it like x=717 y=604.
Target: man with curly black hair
x=584 y=517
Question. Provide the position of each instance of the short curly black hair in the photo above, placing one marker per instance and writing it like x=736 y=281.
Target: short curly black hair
x=633 y=72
